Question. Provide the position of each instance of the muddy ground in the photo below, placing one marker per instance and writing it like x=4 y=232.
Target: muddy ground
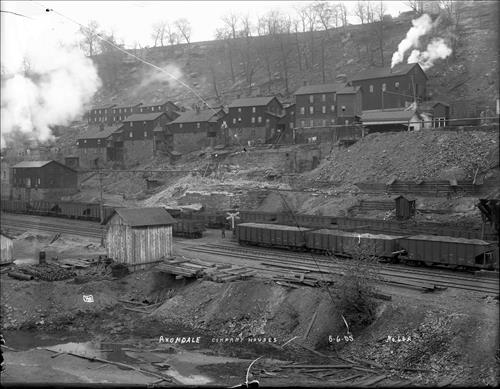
x=440 y=338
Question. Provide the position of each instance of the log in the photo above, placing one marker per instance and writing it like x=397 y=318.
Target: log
x=311 y=324
x=20 y=276
x=119 y=364
x=286 y=284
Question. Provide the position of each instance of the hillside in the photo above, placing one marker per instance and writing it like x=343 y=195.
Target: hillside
x=258 y=63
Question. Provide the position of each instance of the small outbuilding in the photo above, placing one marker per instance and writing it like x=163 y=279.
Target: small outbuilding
x=405 y=207
x=7 y=248
x=139 y=236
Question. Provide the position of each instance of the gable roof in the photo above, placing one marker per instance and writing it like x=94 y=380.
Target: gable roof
x=95 y=132
x=39 y=164
x=252 y=101
x=320 y=88
x=348 y=90
x=398 y=70
x=127 y=106
x=387 y=116
x=194 y=116
x=141 y=217
x=104 y=107
x=140 y=117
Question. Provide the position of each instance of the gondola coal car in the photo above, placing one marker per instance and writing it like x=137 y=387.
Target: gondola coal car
x=350 y=243
x=455 y=252
x=189 y=228
x=14 y=206
x=272 y=235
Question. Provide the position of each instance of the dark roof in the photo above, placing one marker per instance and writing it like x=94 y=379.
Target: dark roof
x=347 y=90
x=139 y=217
x=139 y=117
x=39 y=164
x=431 y=104
x=251 y=101
x=386 y=116
x=127 y=106
x=398 y=70
x=104 y=107
x=320 y=88
x=193 y=116
x=31 y=164
x=95 y=132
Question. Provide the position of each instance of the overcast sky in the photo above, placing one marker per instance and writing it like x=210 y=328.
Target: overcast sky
x=132 y=21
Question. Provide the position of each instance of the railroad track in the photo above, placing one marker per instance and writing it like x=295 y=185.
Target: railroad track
x=327 y=269
x=52 y=225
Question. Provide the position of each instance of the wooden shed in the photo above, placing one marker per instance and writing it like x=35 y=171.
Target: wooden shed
x=405 y=207
x=7 y=248
x=139 y=236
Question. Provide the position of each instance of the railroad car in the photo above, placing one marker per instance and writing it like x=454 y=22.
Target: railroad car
x=40 y=207
x=272 y=235
x=347 y=243
x=313 y=221
x=73 y=210
x=188 y=228
x=14 y=206
x=445 y=250
x=258 y=217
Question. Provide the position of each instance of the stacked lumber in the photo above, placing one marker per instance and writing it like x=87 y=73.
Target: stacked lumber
x=227 y=273
x=182 y=267
x=47 y=272
x=292 y=280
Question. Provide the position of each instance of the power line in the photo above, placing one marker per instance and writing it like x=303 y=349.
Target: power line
x=15 y=13
x=129 y=54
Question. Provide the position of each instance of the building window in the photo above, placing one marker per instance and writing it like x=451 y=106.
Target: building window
x=371 y=88
x=311 y=110
x=180 y=125
x=38 y=181
x=144 y=122
x=131 y=124
x=98 y=141
x=239 y=109
x=85 y=141
x=311 y=99
x=384 y=87
x=120 y=110
x=253 y=119
x=323 y=97
x=234 y=120
x=268 y=121
x=259 y=119
x=254 y=110
x=396 y=84
x=323 y=109
x=302 y=110
x=77 y=143
x=346 y=122
x=324 y=122
x=197 y=125
x=130 y=134
x=343 y=108
x=145 y=134
x=291 y=124
x=332 y=108
x=311 y=123
x=302 y=123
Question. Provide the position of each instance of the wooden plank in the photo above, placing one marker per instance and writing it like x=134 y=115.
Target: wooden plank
x=311 y=324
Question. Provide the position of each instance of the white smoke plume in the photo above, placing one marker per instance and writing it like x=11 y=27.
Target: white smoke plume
x=44 y=82
x=436 y=49
x=155 y=77
x=421 y=26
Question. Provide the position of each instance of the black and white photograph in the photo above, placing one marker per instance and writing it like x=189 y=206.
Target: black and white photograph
x=246 y=194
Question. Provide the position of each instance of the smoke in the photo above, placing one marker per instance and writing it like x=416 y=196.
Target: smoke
x=157 y=77
x=421 y=26
x=44 y=82
x=436 y=49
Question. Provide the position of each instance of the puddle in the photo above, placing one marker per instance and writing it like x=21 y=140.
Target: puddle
x=182 y=364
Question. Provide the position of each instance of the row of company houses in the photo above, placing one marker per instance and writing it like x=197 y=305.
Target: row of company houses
x=380 y=99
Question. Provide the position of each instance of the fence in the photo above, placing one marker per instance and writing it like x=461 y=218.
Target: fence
x=424 y=188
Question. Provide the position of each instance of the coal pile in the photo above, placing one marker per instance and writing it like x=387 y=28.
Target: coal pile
x=47 y=272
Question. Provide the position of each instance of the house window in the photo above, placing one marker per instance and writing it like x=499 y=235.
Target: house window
x=98 y=141
x=38 y=181
x=130 y=134
x=396 y=85
x=120 y=110
x=259 y=119
x=253 y=119
x=234 y=120
x=324 y=122
x=343 y=108
x=180 y=125
x=239 y=109
x=384 y=87
x=311 y=123
x=77 y=143
x=311 y=99
x=302 y=110
x=197 y=125
x=268 y=121
x=323 y=109
x=253 y=110
x=145 y=134
x=85 y=141
x=131 y=124
x=144 y=122
x=332 y=108
x=371 y=88
x=302 y=123
x=291 y=124
x=311 y=110
x=346 y=122
x=323 y=97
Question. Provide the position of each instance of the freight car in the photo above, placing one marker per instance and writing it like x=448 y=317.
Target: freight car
x=272 y=235
x=188 y=228
x=347 y=243
x=445 y=250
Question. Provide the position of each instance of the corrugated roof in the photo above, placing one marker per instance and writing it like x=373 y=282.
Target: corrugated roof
x=319 y=88
x=31 y=164
x=141 y=217
x=251 y=101
x=95 y=132
x=140 y=117
x=398 y=70
x=387 y=116
x=193 y=116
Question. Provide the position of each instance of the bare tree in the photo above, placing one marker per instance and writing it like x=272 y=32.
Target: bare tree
x=171 y=35
x=343 y=14
x=379 y=11
x=360 y=11
x=224 y=35
x=184 y=28
x=158 y=33
x=246 y=26
x=231 y=22
x=452 y=11
x=416 y=5
x=90 y=40
x=325 y=12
